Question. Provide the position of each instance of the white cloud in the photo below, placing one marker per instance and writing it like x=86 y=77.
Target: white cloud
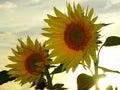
x=7 y=39
x=115 y=1
x=35 y=1
x=7 y=5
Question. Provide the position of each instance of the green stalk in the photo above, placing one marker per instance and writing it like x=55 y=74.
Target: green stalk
x=49 y=79
x=96 y=75
x=96 y=70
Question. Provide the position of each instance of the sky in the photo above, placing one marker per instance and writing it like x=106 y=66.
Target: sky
x=19 y=18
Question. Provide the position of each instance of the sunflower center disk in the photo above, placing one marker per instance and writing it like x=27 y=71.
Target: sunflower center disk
x=32 y=63
x=74 y=37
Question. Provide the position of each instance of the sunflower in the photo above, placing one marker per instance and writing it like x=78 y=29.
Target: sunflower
x=73 y=37
x=30 y=61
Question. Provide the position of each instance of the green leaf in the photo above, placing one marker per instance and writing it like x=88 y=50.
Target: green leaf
x=4 y=77
x=112 y=41
x=116 y=88
x=58 y=86
x=85 y=82
x=109 y=87
x=58 y=69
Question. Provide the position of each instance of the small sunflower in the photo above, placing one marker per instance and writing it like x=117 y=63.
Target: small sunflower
x=30 y=61
x=73 y=37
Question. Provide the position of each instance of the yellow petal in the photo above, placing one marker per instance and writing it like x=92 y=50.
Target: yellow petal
x=21 y=43
x=60 y=14
x=90 y=14
x=94 y=19
x=29 y=42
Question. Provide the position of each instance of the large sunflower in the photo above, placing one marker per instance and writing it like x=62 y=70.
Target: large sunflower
x=73 y=37
x=30 y=61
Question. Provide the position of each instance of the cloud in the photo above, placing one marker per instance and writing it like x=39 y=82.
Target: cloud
x=7 y=6
x=101 y=6
x=35 y=1
x=114 y=7
x=30 y=31
x=7 y=40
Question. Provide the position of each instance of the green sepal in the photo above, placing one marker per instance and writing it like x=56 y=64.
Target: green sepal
x=106 y=24
x=59 y=69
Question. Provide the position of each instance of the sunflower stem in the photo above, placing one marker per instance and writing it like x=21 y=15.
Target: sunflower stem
x=49 y=79
x=96 y=70
x=96 y=75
